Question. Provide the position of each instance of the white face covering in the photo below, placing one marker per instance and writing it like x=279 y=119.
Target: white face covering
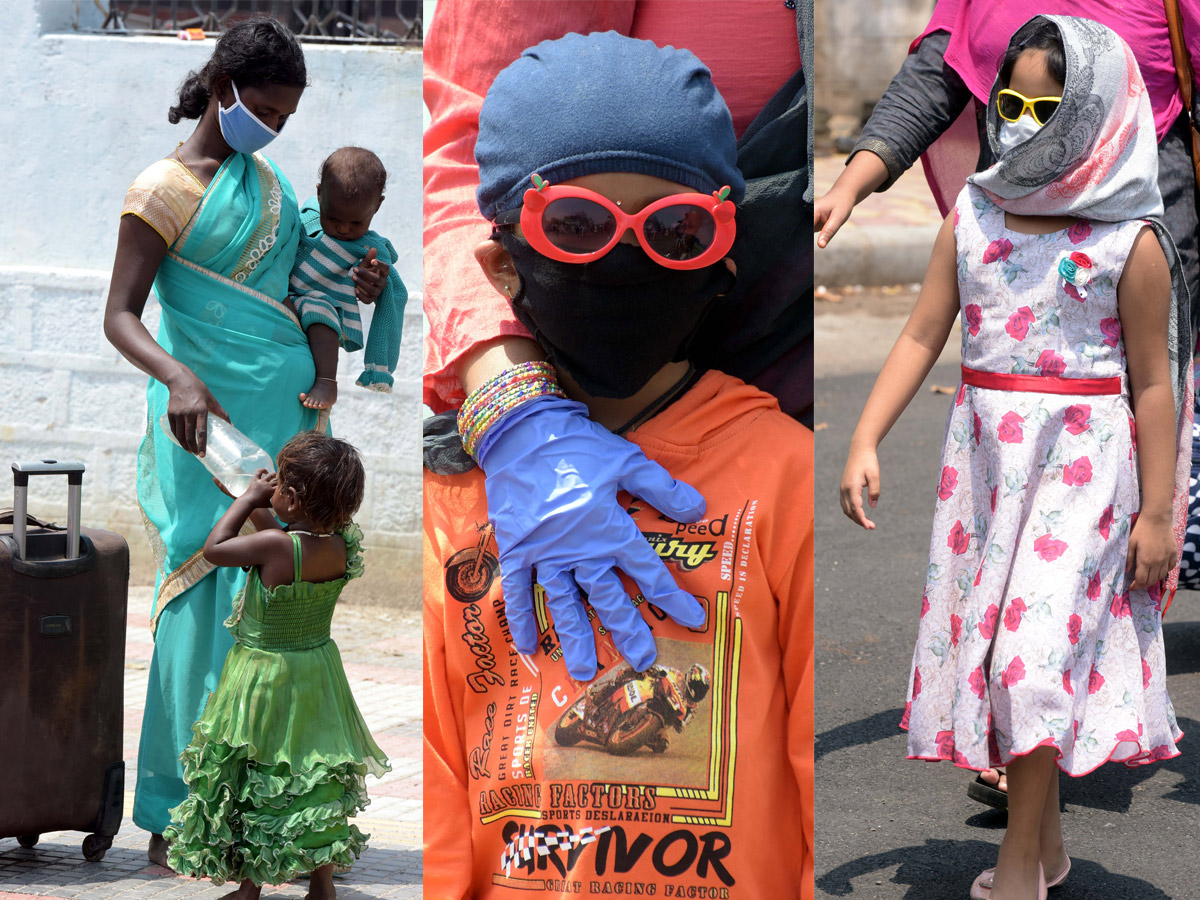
x=1014 y=133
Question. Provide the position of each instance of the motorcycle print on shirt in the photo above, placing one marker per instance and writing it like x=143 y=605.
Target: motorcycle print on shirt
x=601 y=787
x=537 y=785
x=470 y=572
x=631 y=710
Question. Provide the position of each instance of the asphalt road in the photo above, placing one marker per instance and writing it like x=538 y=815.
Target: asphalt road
x=892 y=829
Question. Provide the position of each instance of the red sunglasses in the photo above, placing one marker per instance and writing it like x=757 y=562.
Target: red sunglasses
x=573 y=224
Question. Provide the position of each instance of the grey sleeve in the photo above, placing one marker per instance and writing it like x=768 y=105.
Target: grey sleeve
x=923 y=100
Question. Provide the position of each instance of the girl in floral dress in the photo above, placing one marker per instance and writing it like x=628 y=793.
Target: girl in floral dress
x=277 y=761
x=1056 y=532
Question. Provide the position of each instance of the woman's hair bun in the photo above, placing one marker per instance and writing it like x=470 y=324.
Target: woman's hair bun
x=252 y=53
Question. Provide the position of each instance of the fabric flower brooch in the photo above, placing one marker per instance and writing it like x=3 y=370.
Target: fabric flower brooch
x=1075 y=271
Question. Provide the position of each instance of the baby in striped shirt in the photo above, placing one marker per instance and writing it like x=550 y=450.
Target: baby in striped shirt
x=335 y=234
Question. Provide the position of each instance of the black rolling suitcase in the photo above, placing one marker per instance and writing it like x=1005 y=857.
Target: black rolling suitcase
x=63 y=600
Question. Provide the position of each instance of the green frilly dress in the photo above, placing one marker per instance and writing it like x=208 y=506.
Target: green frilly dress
x=277 y=760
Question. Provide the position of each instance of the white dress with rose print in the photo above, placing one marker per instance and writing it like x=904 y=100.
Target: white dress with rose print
x=1029 y=633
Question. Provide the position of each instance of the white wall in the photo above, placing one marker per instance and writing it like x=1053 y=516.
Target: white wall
x=860 y=47
x=82 y=116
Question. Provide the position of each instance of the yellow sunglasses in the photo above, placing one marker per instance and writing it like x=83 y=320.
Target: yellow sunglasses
x=1012 y=105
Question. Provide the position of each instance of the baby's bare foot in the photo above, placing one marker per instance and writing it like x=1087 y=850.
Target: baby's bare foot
x=322 y=395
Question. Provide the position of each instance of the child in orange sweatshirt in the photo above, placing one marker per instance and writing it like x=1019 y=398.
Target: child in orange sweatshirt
x=692 y=778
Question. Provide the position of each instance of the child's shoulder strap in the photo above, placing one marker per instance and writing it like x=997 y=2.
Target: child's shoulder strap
x=295 y=557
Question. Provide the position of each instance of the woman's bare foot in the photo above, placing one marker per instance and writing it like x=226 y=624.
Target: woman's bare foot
x=157 y=851
x=320 y=885
x=995 y=778
x=247 y=890
x=322 y=395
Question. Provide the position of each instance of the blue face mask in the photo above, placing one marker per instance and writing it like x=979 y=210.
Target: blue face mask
x=242 y=130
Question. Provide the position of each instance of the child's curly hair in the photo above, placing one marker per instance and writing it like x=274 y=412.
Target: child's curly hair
x=327 y=476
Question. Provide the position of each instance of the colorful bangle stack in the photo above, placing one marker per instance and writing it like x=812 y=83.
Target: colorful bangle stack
x=498 y=396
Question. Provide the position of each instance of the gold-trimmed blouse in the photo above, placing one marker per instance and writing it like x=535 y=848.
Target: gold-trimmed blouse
x=164 y=196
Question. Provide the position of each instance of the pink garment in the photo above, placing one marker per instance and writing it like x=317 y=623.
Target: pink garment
x=762 y=30
x=979 y=34
x=467 y=45
x=980 y=31
x=1029 y=633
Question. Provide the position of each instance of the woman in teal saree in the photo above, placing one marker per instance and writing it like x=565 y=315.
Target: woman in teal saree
x=214 y=228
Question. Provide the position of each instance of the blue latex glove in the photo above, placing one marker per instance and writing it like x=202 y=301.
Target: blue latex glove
x=552 y=481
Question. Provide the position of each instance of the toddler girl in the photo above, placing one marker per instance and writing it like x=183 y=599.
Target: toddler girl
x=1040 y=640
x=278 y=758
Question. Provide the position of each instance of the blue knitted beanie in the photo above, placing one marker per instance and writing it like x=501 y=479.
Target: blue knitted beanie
x=590 y=103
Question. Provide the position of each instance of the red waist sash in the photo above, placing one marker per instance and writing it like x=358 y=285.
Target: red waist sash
x=1044 y=384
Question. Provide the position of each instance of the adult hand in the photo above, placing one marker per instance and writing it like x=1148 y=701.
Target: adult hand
x=187 y=411
x=864 y=173
x=370 y=275
x=552 y=482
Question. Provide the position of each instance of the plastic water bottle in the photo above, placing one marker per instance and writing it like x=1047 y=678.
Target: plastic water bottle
x=229 y=455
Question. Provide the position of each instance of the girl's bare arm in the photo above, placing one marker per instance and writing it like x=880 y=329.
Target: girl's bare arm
x=1143 y=304
x=262 y=518
x=916 y=350
x=268 y=546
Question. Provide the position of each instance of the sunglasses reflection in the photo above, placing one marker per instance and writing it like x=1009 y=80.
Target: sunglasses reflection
x=579 y=225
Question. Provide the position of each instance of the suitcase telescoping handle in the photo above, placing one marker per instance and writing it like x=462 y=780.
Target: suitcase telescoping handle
x=21 y=472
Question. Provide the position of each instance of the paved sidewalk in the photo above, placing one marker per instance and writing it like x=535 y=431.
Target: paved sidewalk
x=888 y=237
x=382 y=655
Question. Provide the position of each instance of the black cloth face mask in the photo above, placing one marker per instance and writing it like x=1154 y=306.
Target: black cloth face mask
x=613 y=323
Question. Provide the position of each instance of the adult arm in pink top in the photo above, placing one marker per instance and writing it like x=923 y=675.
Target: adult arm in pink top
x=466 y=47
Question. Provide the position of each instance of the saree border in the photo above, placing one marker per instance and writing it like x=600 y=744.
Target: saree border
x=266 y=233
x=194 y=568
x=187 y=575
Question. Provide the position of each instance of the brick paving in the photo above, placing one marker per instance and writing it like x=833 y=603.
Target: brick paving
x=382 y=655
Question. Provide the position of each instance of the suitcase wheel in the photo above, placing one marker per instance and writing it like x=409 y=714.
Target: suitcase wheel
x=95 y=846
x=28 y=840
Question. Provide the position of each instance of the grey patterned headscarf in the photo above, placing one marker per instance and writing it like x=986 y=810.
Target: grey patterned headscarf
x=1096 y=157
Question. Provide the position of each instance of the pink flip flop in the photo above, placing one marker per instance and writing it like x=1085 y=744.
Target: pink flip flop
x=1061 y=876
x=981 y=888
